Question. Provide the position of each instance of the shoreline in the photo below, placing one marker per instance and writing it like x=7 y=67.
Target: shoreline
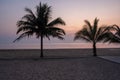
x=61 y=49
x=57 y=53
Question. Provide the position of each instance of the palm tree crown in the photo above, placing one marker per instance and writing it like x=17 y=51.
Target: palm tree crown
x=93 y=33
x=40 y=24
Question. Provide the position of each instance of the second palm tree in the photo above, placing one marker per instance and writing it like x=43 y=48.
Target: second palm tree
x=93 y=33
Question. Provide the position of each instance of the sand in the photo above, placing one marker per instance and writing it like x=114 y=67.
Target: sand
x=64 y=53
x=58 y=64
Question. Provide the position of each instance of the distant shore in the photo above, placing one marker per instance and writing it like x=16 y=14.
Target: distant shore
x=35 y=53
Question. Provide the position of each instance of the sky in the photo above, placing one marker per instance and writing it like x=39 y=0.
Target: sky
x=73 y=12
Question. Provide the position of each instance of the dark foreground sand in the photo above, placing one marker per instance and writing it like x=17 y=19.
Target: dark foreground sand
x=62 y=64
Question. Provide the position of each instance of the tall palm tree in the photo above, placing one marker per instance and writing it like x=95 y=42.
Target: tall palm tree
x=40 y=24
x=93 y=34
x=115 y=35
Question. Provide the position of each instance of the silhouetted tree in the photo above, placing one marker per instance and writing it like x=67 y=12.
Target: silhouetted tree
x=93 y=34
x=115 y=34
x=40 y=24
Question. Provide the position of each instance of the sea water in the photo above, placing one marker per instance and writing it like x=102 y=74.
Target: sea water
x=56 y=46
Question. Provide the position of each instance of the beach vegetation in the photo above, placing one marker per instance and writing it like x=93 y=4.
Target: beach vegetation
x=93 y=33
x=115 y=34
x=40 y=24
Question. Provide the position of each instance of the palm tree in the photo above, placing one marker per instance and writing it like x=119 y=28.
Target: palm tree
x=40 y=24
x=93 y=34
x=115 y=35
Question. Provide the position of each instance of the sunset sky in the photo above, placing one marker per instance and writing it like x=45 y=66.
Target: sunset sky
x=73 y=12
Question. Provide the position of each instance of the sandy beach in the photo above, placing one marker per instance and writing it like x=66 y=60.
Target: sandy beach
x=58 y=64
x=56 y=53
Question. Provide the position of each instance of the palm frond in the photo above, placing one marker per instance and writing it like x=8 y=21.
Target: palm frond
x=30 y=12
x=29 y=18
x=47 y=15
x=23 y=23
x=47 y=36
x=95 y=27
x=105 y=37
x=26 y=28
x=117 y=28
x=57 y=21
x=59 y=30
x=103 y=34
x=55 y=32
x=89 y=25
x=84 y=34
x=28 y=33
x=115 y=39
x=57 y=35
x=116 y=36
x=82 y=37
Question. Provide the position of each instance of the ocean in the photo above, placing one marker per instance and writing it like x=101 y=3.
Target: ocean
x=57 y=46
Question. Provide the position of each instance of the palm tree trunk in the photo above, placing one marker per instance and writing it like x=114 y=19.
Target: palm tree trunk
x=41 y=46
x=94 y=49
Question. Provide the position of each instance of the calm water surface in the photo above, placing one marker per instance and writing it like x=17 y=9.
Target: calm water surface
x=57 y=46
